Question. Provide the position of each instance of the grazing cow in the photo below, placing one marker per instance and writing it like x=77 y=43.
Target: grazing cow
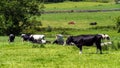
x=37 y=39
x=93 y=23
x=59 y=39
x=11 y=38
x=25 y=37
x=87 y=40
x=71 y=23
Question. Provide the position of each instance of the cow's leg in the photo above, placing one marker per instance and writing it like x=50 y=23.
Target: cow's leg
x=97 y=50
x=80 y=47
x=55 y=42
x=99 y=47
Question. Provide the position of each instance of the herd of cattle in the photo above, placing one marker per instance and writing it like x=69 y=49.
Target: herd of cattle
x=78 y=40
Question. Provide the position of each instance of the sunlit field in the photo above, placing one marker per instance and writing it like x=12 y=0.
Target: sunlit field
x=80 y=6
x=81 y=20
x=23 y=55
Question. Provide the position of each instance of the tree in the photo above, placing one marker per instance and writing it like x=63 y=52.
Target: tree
x=15 y=15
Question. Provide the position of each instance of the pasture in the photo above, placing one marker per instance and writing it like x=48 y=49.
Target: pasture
x=80 y=6
x=82 y=19
x=22 y=55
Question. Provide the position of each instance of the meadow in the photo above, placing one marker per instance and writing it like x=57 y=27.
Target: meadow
x=80 y=6
x=82 y=20
x=22 y=55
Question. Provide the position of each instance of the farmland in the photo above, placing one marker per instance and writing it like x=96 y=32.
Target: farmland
x=82 y=19
x=80 y=6
x=21 y=54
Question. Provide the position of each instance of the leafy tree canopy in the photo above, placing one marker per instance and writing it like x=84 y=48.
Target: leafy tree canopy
x=15 y=15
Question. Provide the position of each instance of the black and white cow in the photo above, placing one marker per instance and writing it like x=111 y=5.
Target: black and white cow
x=59 y=39
x=87 y=40
x=37 y=39
x=25 y=37
x=11 y=38
x=33 y=38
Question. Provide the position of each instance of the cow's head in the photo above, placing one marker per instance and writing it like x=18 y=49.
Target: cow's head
x=69 y=40
x=105 y=36
x=31 y=38
x=22 y=35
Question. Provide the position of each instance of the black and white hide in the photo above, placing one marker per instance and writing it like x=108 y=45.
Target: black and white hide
x=37 y=39
x=11 y=38
x=25 y=37
x=87 y=40
x=106 y=40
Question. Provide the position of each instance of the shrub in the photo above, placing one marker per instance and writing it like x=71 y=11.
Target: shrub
x=118 y=44
x=118 y=23
x=114 y=46
x=49 y=29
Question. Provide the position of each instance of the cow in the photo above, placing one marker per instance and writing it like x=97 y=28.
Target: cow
x=71 y=23
x=37 y=39
x=93 y=23
x=25 y=37
x=59 y=39
x=87 y=40
x=11 y=38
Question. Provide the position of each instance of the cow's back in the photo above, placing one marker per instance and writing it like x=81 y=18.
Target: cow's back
x=84 y=39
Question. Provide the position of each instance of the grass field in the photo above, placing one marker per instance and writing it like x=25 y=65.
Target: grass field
x=82 y=19
x=80 y=6
x=21 y=54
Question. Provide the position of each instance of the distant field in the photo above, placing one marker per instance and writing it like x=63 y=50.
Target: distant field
x=82 y=20
x=80 y=6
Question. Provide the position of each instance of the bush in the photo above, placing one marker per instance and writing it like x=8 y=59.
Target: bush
x=118 y=23
x=49 y=29
x=118 y=45
x=114 y=46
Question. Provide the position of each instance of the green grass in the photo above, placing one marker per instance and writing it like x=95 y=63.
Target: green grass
x=22 y=55
x=82 y=19
x=80 y=6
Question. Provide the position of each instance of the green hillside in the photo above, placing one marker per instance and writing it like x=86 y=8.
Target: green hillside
x=80 y=6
